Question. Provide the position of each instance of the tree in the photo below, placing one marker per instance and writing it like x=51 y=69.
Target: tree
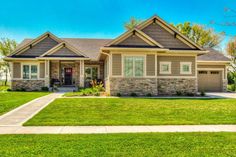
x=7 y=46
x=133 y=22
x=203 y=36
x=231 y=50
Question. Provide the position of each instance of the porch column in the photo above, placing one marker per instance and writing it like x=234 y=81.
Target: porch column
x=81 y=82
x=47 y=73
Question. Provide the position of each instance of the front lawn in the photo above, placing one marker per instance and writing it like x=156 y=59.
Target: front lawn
x=145 y=144
x=11 y=100
x=135 y=111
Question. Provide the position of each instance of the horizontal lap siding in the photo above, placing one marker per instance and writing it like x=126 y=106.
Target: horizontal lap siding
x=116 y=64
x=150 y=65
x=175 y=64
x=64 y=52
x=133 y=41
x=163 y=37
x=40 y=48
x=16 y=70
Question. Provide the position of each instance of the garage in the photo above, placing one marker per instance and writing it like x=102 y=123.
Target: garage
x=210 y=80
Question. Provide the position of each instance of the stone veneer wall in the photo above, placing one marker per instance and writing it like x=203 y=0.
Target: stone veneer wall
x=126 y=86
x=169 y=86
x=225 y=83
x=28 y=85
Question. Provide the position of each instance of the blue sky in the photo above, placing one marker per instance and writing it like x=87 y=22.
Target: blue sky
x=104 y=18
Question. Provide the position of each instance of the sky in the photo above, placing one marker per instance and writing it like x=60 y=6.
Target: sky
x=21 y=19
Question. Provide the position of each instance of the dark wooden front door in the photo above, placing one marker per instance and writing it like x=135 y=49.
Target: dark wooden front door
x=68 y=76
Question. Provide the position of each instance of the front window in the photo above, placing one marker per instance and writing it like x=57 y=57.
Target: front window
x=133 y=66
x=165 y=67
x=186 y=68
x=30 y=71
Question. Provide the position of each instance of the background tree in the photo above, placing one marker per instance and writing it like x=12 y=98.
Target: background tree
x=133 y=22
x=203 y=36
x=6 y=48
x=231 y=50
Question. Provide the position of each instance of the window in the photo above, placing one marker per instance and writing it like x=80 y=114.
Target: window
x=134 y=66
x=186 y=68
x=165 y=67
x=30 y=71
x=202 y=72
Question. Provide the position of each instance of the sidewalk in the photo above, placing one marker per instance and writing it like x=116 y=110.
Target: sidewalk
x=114 y=129
x=23 y=113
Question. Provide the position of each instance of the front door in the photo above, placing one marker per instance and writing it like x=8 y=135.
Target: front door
x=68 y=76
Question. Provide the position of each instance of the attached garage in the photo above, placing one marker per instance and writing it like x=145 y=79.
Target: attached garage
x=210 y=80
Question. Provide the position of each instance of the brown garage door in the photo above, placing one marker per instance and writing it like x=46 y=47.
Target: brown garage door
x=210 y=81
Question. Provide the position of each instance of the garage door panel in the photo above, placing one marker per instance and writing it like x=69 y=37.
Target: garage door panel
x=210 y=81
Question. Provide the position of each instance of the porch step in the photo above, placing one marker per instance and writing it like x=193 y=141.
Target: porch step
x=66 y=89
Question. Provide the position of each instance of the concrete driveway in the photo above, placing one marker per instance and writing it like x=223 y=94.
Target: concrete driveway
x=222 y=95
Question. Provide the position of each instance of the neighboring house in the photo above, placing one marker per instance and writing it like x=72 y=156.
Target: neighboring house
x=151 y=58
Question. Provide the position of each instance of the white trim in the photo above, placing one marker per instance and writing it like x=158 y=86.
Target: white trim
x=165 y=72
x=176 y=77
x=30 y=64
x=182 y=70
x=133 y=55
x=156 y=65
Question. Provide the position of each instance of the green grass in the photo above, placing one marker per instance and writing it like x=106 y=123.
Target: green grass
x=11 y=100
x=146 y=144
x=4 y=88
x=131 y=111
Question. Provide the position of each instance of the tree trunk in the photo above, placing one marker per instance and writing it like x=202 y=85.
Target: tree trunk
x=6 y=78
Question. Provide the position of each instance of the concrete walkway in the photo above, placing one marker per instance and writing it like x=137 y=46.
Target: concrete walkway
x=222 y=95
x=23 y=113
x=114 y=129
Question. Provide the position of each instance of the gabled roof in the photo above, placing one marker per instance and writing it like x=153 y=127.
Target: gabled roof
x=137 y=32
x=63 y=44
x=22 y=47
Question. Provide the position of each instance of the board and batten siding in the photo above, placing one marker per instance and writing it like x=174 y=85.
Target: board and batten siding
x=16 y=70
x=116 y=64
x=175 y=64
x=64 y=52
x=42 y=70
x=150 y=65
x=133 y=40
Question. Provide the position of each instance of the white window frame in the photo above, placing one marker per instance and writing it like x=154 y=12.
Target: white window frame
x=29 y=64
x=165 y=72
x=182 y=69
x=133 y=55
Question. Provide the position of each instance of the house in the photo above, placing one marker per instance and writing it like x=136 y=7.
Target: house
x=152 y=58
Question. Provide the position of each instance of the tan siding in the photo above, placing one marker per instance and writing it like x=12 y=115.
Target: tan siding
x=150 y=65
x=64 y=52
x=16 y=70
x=42 y=70
x=133 y=40
x=116 y=64
x=163 y=37
x=40 y=48
x=175 y=64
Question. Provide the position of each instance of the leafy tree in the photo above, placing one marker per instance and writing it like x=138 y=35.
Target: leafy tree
x=231 y=50
x=6 y=48
x=133 y=22
x=203 y=36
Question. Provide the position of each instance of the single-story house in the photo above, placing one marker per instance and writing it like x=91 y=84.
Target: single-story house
x=152 y=58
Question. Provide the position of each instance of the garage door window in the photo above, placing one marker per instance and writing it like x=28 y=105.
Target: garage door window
x=202 y=72
x=214 y=72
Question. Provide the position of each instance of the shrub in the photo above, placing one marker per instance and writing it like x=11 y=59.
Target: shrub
x=133 y=94
x=179 y=93
x=97 y=85
x=8 y=89
x=203 y=93
x=118 y=94
x=149 y=95
x=189 y=94
x=44 y=89
x=231 y=87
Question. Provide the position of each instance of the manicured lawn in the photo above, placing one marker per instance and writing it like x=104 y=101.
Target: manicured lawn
x=148 y=144
x=11 y=100
x=135 y=111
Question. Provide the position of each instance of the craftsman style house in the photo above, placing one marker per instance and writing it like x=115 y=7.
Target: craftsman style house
x=152 y=58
